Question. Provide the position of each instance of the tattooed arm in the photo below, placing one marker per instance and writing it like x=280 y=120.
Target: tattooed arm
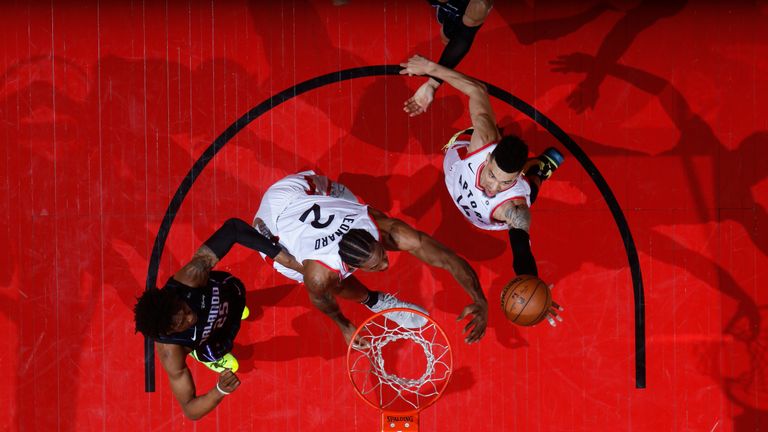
x=515 y=213
x=518 y=217
x=195 y=273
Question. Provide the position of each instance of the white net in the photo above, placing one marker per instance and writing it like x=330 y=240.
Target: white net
x=398 y=368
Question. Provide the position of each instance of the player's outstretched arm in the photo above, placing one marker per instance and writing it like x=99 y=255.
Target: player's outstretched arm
x=321 y=283
x=405 y=238
x=195 y=273
x=453 y=53
x=172 y=357
x=480 y=110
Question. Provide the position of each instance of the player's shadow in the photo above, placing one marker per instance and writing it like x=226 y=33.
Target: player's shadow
x=734 y=188
x=30 y=84
x=616 y=42
x=312 y=334
x=742 y=173
x=530 y=32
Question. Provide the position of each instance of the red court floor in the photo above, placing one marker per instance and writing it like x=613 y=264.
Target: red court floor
x=106 y=107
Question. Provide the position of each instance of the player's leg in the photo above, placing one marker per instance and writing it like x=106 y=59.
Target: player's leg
x=352 y=289
x=541 y=168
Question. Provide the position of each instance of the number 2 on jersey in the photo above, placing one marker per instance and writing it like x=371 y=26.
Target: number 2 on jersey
x=315 y=210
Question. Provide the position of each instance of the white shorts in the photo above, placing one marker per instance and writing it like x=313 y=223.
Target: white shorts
x=280 y=195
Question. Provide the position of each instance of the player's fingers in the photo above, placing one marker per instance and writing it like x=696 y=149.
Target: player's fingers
x=360 y=343
x=232 y=380
x=236 y=384
x=228 y=379
x=475 y=335
x=469 y=327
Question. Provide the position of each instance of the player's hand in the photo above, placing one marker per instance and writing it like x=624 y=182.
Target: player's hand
x=416 y=65
x=228 y=381
x=584 y=96
x=553 y=316
x=745 y=323
x=420 y=101
x=348 y=331
x=475 y=329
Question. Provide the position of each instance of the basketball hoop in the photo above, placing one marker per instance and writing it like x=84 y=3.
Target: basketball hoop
x=398 y=370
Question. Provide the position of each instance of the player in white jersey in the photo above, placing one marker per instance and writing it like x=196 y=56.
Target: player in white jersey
x=323 y=225
x=490 y=178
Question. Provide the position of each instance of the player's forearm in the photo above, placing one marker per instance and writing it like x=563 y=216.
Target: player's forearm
x=460 y=43
x=198 y=407
x=466 y=277
x=465 y=84
x=519 y=217
x=287 y=260
x=238 y=231
x=327 y=305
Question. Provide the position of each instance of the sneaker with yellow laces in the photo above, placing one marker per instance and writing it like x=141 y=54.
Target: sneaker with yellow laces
x=228 y=361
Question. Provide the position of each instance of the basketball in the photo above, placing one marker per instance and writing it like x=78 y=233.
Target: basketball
x=525 y=300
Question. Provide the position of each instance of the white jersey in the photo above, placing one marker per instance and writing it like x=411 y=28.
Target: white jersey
x=462 y=178
x=310 y=219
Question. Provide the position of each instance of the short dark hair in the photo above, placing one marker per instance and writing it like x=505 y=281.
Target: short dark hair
x=510 y=154
x=356 y=247
x=154 y=312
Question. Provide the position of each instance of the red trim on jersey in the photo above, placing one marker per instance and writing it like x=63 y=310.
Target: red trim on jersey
x=477 y=176
x=338 y=272
x=476 y=151
x=370 y=216
x=501 y=204
x=312 y=188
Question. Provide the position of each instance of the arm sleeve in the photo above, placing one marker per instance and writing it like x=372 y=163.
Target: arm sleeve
x=458 y=46
x=523 y=261
x=238 y=231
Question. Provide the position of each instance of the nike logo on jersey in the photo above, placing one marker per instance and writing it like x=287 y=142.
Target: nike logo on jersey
x=469 y=165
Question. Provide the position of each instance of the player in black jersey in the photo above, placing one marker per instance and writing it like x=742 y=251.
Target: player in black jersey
x=198 y=312
x=459 y=22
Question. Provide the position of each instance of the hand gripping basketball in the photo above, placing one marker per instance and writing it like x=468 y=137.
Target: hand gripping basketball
x=527 y=300
x=552 y=313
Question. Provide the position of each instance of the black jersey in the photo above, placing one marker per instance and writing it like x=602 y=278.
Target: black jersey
x=218 y=306
x=451 y=11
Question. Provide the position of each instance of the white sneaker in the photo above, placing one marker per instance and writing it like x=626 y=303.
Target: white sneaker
x=405 y=319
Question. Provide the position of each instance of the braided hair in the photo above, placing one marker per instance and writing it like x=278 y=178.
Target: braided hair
x=154 y=312
x=356 y=247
